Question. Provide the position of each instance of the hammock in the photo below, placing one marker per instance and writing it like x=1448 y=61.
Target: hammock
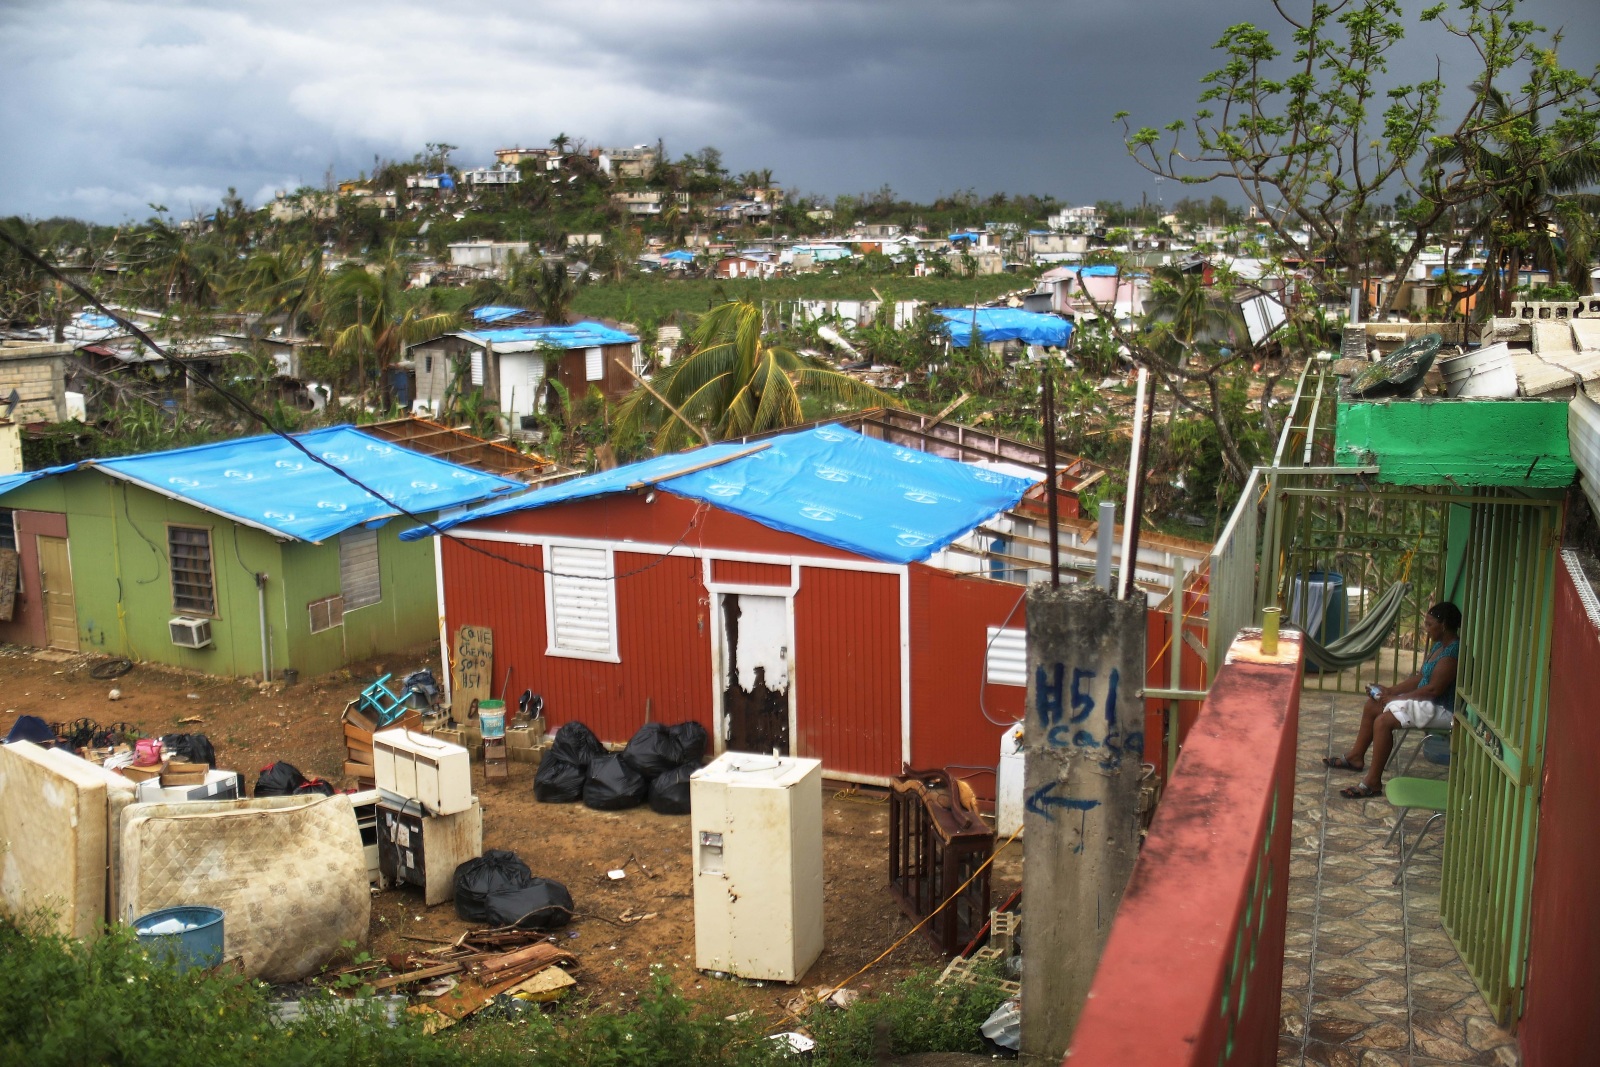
x=1365 y=638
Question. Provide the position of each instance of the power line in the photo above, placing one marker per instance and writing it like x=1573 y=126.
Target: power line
x=245 y=407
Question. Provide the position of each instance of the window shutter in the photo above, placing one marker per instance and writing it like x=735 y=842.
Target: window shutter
x=1007 y=662
x=189 y=554
x=580 y=600
x=477 y=366
x=594 y=365
x=360 y=582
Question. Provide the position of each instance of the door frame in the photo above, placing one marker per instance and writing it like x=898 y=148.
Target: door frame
x=715 y=591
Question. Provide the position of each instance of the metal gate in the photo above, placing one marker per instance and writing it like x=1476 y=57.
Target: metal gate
x=1497 y=749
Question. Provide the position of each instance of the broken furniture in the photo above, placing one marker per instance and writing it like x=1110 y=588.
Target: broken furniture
x=937 y=842
x=364 y=804
x=424 y=850
x=213 y=785
x=386 y=706
x=420 y=767
x=287 y=871
x=359 y=726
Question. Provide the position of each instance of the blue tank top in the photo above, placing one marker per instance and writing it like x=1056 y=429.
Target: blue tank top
x=1447 y=699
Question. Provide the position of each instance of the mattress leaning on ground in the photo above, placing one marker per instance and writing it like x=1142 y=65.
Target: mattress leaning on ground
x=58 y=836
x=288 y=874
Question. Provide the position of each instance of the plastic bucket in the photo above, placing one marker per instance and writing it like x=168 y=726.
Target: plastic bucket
x=197 y=944
x=1319 y=608
x=492 y=718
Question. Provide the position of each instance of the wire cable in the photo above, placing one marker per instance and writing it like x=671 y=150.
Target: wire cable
x=244 y=407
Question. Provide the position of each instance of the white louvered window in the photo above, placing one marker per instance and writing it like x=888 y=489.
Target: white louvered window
x=359 y=581
x=594 y=364
x=477 y=366
x=1007 y=661
x=580 y=603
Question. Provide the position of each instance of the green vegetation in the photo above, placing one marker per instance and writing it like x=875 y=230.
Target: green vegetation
x=70 y=1004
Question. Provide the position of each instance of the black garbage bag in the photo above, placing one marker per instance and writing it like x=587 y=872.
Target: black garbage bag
x=196 y=748
x=613 y=785
x=653 y=750
x=423 y=682
x=691 y=738
x=498 y=888
x=279 y=780
x=311 y=785
x=669 y=792
x=558 y=782
x=576 y=744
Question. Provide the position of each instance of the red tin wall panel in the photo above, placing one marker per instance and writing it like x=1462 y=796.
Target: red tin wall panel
x=27 y=625
x=1560 y=1023
x=663 y=638
x=847 y=670
x=950 y=617
x=737 y=572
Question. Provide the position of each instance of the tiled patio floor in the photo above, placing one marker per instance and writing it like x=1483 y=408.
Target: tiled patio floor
x=1370 y=978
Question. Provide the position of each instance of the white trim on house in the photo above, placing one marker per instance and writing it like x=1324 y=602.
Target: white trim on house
x=649 y=548
x=444 y=625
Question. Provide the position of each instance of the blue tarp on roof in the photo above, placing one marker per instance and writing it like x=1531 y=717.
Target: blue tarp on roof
x=1100 y=270
x=577 y=335
x=9 y=482
x=496 y=312
x=679 y=256
x=267 y=482
x=1466 y=272
x=1005 y=324
x=828 y=484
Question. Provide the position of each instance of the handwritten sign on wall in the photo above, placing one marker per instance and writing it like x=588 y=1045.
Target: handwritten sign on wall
x=474 y=668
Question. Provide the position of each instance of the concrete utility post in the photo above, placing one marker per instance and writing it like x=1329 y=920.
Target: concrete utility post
x=1084 y=743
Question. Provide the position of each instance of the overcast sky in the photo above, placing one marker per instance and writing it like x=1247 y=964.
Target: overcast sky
x=110 y=105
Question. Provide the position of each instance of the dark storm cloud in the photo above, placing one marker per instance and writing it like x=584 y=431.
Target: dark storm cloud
x=113 y=105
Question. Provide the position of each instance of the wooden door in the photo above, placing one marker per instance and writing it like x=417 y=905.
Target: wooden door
x=55 y=588
x=755 y=657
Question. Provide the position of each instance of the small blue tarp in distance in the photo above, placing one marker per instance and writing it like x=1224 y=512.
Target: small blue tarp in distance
x=828 y=484
x=679 y=256
x=1005 y=324
x=267 y=482
x=577 y=335
x=1465 y=272
x=496 y=312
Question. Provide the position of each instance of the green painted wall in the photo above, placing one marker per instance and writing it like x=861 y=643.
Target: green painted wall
x=117 y=535
x=1458 y=442
x=407 y=614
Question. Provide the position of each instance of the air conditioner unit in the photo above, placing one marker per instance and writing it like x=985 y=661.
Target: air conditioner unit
x=189 y=632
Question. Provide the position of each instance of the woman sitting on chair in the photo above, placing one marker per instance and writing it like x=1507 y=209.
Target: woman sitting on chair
x=1425 y=700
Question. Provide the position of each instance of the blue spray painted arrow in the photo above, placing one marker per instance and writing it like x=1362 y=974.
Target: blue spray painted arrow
x=1040 y=801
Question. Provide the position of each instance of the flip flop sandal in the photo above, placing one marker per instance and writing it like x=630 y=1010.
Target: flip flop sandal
x=1359 y=791
x=1339 y=763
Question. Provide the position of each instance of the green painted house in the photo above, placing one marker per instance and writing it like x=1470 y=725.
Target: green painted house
x=236 y=558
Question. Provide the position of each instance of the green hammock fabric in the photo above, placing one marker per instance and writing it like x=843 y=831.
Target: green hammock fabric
x=1364 y=638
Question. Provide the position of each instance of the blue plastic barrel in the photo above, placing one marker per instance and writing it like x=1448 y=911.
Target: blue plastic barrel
x=199 y=945
x=1319 y=607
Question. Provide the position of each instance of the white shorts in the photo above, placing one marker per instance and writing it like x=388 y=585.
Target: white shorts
x=1419 y=714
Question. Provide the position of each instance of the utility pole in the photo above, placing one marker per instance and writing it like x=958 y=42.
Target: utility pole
x=1083 y=750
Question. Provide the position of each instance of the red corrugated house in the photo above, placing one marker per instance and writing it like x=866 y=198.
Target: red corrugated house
x=778 y=592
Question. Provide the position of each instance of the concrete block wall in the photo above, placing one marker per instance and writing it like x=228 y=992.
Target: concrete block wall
x=38 y=374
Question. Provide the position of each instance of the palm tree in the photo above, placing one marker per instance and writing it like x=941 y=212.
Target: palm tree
x=553 y=289
x=288 y=281
x=736 y=382
x=1183 y=311
x=1536 y=181
x=366 y=319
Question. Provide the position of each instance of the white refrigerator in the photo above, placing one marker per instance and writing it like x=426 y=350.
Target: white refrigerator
x=757 y=824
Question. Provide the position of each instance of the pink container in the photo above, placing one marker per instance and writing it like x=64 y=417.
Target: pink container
x=147 y=752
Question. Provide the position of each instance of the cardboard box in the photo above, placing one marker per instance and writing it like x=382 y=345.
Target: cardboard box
x=140 y=774
x=183 y=773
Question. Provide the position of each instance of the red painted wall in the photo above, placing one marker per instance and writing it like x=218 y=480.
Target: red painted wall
x=950 y=617
x=1217 y=857
x=1561 y=1014
x=847 y=670
x=27 y=626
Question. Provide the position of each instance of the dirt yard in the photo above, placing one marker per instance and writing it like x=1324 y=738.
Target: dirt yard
x=251 y=727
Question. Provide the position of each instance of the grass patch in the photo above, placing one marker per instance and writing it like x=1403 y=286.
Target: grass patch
x=70 y=1003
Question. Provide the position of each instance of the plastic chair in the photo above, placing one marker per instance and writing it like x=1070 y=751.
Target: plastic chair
x=1429 y=794
x=1426 y=731
x=384 y=704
